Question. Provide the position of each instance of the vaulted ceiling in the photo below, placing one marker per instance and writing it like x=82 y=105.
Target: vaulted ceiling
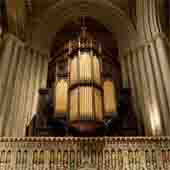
x=42 y=20
x=72 y=29
x=37 y=8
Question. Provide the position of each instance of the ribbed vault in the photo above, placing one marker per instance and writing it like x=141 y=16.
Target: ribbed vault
x=114 y=19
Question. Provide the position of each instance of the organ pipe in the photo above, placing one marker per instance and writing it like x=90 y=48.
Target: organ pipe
x=74 y=71
x=98 y=105
x=74 y=105
x=85 y=67
x=96 y=70
x=86 y=103
x=85 y=97
x=110 y=103
x=60 y=97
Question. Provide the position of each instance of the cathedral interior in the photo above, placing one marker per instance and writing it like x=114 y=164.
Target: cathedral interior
x=84 y=84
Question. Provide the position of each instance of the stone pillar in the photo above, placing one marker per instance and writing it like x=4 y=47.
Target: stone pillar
x=148 y=71
x=163 y=102
x=164 y=62
x=33 y=77
x=136 y=81
x=130 y=79
x=15 y=98
x=153 y=106
x=8 y=75
x=24 y=90
x=23 y=71
x=160 y=49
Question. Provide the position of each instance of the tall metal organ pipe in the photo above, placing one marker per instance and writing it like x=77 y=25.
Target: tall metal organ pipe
x=85 y=88
x=60 y=98
x=110 y=104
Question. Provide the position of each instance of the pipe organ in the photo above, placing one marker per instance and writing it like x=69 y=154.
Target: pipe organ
x=83 y=95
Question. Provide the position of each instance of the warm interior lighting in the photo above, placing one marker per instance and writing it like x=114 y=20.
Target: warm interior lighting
x=109 y=97
x=98 y=105
x=85 y=99
x=85 y=67
x=86 y=103
x=73 y=71
x=74 y=105
x=61 y=97
x=155 y=119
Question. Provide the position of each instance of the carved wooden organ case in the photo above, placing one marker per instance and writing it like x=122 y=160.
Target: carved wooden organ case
x=81 y=86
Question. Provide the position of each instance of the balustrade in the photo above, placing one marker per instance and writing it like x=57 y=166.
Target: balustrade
x=138 y=153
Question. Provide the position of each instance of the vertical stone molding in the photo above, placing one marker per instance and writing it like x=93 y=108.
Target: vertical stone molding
x=149 y=67
x=164 y=62
x=148 y=72
x=23 y=71
x=157 y=127
x=132 y=84
x=8 y=78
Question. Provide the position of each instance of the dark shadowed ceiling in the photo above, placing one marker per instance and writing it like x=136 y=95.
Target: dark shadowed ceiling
x=37 y=8
x=72 y=29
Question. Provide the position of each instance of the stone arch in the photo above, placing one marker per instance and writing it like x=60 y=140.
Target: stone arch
x=113 y=18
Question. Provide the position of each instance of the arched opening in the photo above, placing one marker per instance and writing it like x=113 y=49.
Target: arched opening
x=84 y=81
x=105 y=12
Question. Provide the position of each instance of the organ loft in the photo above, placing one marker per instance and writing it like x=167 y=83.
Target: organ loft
x=84 y=84
x=81 y=98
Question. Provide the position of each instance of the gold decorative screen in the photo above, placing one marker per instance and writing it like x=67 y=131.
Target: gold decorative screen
x=61 y=97
x=109 y=97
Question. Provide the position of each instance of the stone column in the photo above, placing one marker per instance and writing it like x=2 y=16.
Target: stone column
x=144 y=90
x=130 y=74
x=15 y=103
x=154 y=67
x=33 y=77
x=23 y=95
x=157 y=126
x=6 y=52
x=22 y=73
x=160 y=49
x=163 y=102
x=148 y=70
x=7 y=81
x=164 y=62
